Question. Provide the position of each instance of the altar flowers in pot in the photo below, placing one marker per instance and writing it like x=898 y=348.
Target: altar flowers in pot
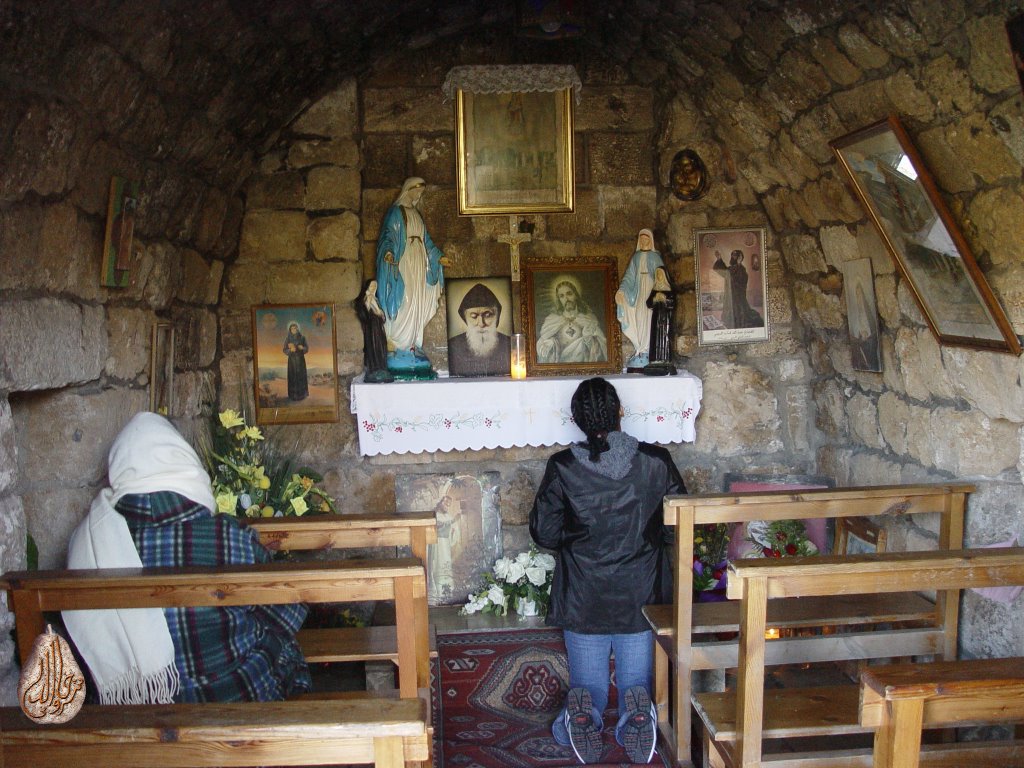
x=250 y=476
x=710 y=543
x=521 y=583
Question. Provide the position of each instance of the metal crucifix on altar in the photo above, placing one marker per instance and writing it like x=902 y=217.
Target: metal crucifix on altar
x=513 y=240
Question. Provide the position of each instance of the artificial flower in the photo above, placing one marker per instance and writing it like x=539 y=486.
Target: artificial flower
x=522 y=583
x=229 y=419
x=299 y=505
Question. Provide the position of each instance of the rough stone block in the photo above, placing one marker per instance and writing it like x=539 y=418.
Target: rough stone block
x=863 y=418
x=615 y=108
x=830 y=414
x=192 y=391
x=269 y=236
x=50 y=343
x=627 y=210
x=301 y=283
x=13 y=531
x=278 y=190
x=585 y=223
x=335 y=237
x=433 y=159
x=342 y=152
x=621 y=158
x=990 y=67
x=861 y=50
x=802 y=254
x=836 y=65
x=8 y=448
x=821 y=310
x=989 y=382
x=200 y=279
x=43 y=153
x=406 y=110
x=331 y=188
x=336 y=114
x=739 y=413
x=155 y=275
x=128 y=332
x=996 y=226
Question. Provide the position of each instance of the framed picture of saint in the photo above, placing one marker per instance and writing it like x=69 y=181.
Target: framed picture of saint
x=732 y=286
x=295 y=363
x=479 y=325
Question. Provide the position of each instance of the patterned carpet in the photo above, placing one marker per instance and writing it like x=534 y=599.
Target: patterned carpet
x=496 y=697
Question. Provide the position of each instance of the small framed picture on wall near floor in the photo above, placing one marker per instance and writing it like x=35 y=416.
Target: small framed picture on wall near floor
x=295 y=363
x=732 y=285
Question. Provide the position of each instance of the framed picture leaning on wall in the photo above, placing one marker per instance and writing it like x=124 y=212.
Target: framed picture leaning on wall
x=568 y=311
x=732 y=285
x=479 y=325
x=295 y=363
x=901 y=199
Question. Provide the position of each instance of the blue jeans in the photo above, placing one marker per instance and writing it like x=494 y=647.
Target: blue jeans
x=588 y=668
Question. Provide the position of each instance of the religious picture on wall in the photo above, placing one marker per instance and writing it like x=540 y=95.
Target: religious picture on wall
x=161 y=367
x=479 y=325
x=295 y=363
x=468 y=529
x=732 y=285
x=569 y=316
x=122 y=205
x=1015 y=31
x=862 y=315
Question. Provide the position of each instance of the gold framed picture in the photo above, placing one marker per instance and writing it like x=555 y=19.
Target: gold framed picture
x=515 y=152
x=295 y=363
x=901 y=199
x=568 y=311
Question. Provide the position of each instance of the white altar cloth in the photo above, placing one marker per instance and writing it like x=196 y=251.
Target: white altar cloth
x=471 y=414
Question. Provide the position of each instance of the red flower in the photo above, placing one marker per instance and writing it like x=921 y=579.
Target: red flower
x=767 y=552
x=791 y=549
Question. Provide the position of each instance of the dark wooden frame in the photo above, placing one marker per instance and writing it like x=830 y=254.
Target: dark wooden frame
x=538 y=274
x=905 y=206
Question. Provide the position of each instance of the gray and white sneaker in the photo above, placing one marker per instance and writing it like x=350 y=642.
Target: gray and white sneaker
x=639 y=732
x=579 y=721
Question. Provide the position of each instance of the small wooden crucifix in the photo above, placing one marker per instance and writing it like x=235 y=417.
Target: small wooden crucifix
x=512 y=240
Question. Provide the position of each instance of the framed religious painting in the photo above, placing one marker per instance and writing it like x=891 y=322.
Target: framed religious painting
x=902 y=201
x=732 y=285
x=122 y=205
x=515 y=152
x=862 y=316
x=295 y=363
x=568 y=316
x=161 y=369
x=479 y=325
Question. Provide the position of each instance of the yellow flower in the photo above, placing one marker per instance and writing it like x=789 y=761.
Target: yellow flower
x=226 y=502
x=253 y=511
x=230 y=418
x=325 y=507
x=306 y=482
x=264 y=482
x=300 y=506
x=253 y=433
x=268 y=512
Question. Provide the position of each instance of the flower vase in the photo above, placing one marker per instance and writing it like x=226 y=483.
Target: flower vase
x=526 y=607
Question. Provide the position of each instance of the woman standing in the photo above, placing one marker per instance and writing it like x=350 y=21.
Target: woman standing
x=599 y=509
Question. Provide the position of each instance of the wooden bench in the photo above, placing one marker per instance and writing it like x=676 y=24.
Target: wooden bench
x=899 y=700
x=238 y=734
x=329 y=532
x=708 y=643
x=737 y=722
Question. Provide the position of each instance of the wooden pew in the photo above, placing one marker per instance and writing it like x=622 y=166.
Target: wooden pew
x=700 y=648
x=899 y=700
x=322 y=532
x=307 y=731
x=737 y=722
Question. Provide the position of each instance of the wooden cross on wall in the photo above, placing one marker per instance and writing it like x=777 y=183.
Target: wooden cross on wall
x=513 y=240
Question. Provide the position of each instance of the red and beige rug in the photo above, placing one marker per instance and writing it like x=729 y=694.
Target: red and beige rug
x=495 y=696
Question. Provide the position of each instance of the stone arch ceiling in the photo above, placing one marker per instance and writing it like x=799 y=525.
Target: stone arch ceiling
x=209 y=83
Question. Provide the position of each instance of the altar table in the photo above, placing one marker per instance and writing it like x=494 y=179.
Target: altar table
x=459 y=414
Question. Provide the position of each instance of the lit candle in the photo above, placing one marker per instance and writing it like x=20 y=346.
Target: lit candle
x=772 y=633
x=518 y=356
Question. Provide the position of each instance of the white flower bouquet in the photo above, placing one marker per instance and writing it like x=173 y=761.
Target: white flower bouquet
x=522 y=583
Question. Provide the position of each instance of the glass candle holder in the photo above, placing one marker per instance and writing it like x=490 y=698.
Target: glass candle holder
x=518 y=356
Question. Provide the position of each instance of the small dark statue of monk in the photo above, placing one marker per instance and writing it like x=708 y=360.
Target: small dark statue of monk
x=375 y=344
x=662 y=303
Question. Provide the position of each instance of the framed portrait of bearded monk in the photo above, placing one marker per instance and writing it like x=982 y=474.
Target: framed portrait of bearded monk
x=479 y=325
x=568 y=311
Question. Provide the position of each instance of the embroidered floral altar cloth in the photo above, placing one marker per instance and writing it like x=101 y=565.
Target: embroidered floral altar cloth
x=473 y=414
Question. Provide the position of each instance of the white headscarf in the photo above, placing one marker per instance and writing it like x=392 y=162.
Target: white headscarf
x=129 y=651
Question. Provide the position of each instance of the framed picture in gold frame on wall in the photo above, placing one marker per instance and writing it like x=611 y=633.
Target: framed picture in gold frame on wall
x=295 y=363
x=568 y=312
x=901 y=199
x=515 y=152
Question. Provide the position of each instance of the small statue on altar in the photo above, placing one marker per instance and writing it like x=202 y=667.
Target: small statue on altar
x=410 y=279
x=375 y=344
x=662 y=303
x=630 y=300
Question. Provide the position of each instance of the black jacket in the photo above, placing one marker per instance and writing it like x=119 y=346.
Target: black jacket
x=609 y=538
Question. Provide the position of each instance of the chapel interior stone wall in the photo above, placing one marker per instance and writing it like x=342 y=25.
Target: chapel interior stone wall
x=264 y=178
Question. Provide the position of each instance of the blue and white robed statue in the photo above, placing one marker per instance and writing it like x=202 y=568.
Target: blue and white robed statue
x=410 y=279
x=631 y=299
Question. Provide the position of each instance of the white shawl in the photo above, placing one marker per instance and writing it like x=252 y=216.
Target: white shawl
x=129 y=651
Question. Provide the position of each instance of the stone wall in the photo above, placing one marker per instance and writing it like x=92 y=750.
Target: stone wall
x=766 y=95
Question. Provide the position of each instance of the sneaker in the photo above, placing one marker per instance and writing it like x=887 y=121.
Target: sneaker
x=639 y=731
x=583 y=734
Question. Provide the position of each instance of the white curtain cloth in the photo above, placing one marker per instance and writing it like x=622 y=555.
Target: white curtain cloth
x=511 y=79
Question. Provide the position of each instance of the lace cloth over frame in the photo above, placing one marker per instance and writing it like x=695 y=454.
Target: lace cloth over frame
x=511 y=79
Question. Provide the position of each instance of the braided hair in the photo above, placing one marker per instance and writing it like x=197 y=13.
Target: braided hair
x=595 y=409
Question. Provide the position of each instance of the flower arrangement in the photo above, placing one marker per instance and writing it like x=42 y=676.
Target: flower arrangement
x=522 y=583
x=251 y=479
x=709 y=555
x=780 y=538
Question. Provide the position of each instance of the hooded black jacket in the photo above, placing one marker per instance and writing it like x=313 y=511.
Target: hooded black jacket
x=604 y=522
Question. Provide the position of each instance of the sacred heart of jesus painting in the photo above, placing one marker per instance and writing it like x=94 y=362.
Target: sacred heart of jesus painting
x=468 y=529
